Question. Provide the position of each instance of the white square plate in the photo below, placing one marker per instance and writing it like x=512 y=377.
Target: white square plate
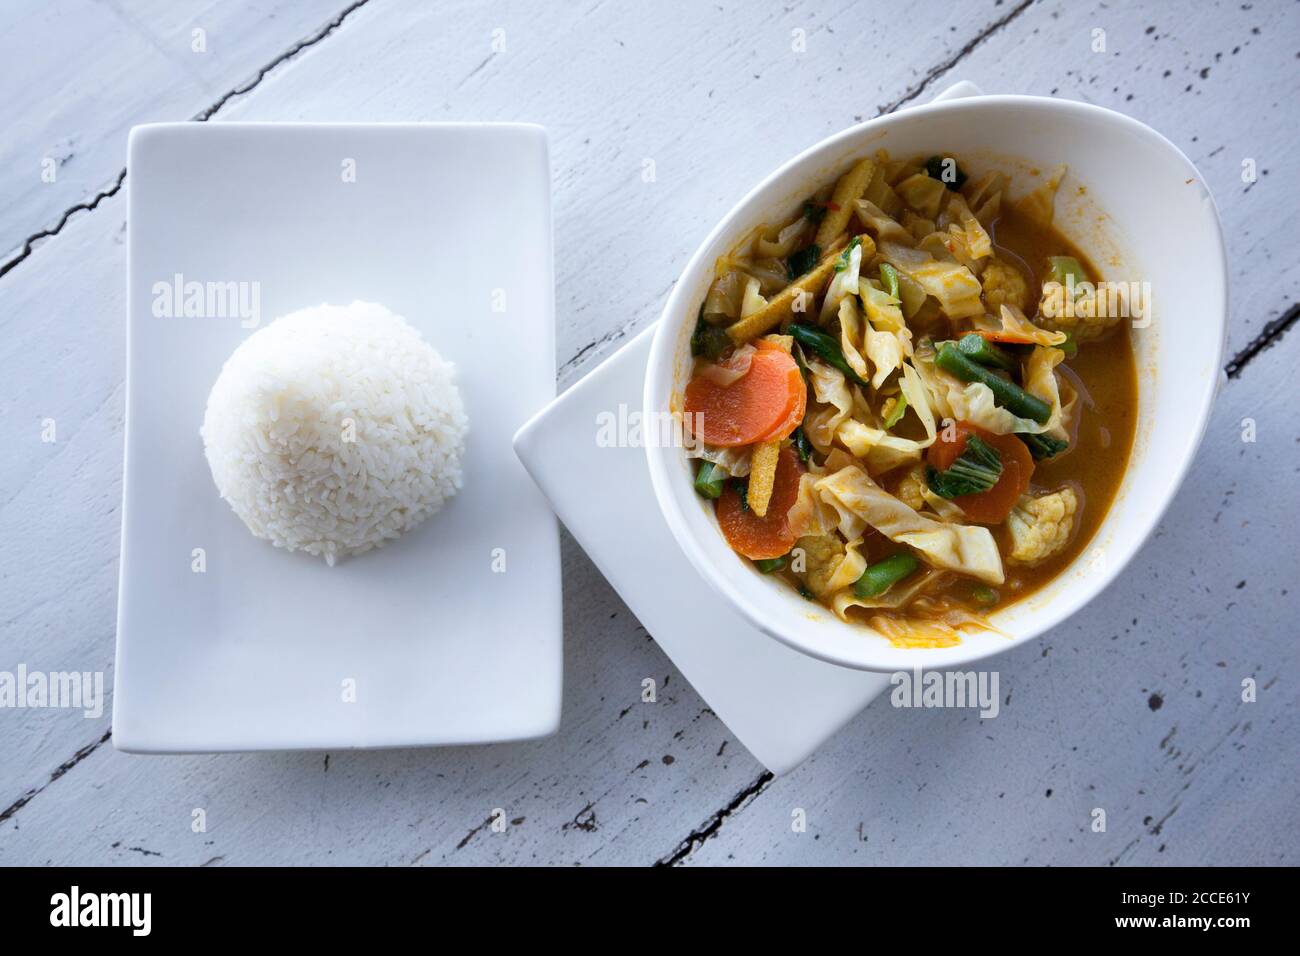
x=263 y=648
x=782 y=705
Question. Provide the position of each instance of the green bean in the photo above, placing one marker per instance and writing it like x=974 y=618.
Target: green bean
x=1007 y=394
x=895 y=414
x=709 y=480
x=883 y=575
x=986 y=353
x=1061 y=267
x=889 y=279
x=768 y=565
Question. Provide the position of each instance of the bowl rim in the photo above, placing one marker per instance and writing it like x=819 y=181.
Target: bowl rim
x=662 y=361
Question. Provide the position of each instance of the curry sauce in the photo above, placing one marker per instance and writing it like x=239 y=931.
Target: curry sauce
x=910 y=401
x=1106 y=375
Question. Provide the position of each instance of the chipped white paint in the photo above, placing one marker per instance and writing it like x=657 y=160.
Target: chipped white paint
x=1134 y=706
x=83 y=73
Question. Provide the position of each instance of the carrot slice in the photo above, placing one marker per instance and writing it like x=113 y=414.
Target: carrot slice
x=756 y=407
x=769 y=536
x=1007 y=338
x=793 y=415
x=795 y=412
x=992 y=506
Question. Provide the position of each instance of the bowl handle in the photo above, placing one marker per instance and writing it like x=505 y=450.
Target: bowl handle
x=959 y=91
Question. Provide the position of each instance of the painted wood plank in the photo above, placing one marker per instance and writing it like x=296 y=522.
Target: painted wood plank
x=651 y=115
x=79 y=74
x=1137 y=712
x=885 y=791
x=599 y=791
x=597 y=157
x=1216 y=78
x=619 y=84
x=1133 y=706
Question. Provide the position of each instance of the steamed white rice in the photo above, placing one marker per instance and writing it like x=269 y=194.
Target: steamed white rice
x=334 y=429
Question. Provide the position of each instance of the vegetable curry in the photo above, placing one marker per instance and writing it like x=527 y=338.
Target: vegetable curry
x=912 y=401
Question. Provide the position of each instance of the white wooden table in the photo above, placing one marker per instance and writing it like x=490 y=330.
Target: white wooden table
x=1134 y=706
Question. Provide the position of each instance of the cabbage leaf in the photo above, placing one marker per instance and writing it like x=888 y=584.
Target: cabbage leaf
x=967 y=549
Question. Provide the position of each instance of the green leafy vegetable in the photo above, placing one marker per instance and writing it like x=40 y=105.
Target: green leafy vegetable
x=709 y=480
x=768 y=565
x=1007 y=394
x=1070 y=347
x=843 y=262
x=708 y=341
x=803 y=261
x=976 y=469
x=801 y=444
x=889 y=279
x=883 y=575
x=825 y=348
x=946 y=170
x=803 y=366
x=1043 y=446
x=814 y=212
x=742 y=489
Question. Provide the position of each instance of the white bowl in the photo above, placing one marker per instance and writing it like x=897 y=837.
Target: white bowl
x=1145 y=213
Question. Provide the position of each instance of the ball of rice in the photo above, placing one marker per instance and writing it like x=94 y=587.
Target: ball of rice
x=334 y=429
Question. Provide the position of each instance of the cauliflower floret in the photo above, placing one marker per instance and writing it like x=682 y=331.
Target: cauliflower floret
x=1080 y=317
x=1003 y=285
x=821 y=556
x=910 y=488
x=1040 y=527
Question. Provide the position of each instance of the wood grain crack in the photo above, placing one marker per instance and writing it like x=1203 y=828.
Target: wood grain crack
x=697 y=837
x=594 y=346
x=29 y=244
x=974 y=43
x=1272 y=334
x=910 y=94
x=59 y=771
x=288 y=54
x=472 y=833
